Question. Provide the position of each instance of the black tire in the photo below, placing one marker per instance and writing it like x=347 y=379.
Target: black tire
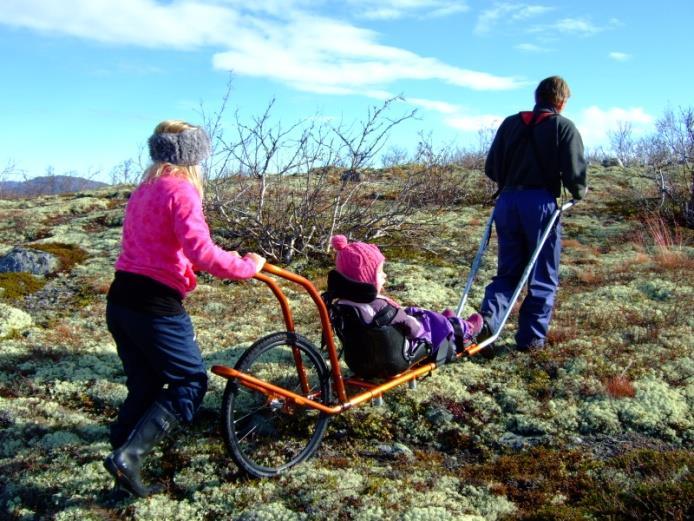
x=267 y=436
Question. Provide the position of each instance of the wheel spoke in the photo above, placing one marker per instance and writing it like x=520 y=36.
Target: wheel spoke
x=248 y=433
x=251 y=413
x=267 y=437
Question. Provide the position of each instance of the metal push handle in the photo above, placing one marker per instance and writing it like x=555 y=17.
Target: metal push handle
x=476 y=263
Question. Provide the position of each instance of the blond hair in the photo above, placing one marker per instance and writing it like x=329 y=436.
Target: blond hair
x=553 y=90
x=192 y=173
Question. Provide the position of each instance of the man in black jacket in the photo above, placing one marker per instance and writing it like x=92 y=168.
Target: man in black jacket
x=532 y=155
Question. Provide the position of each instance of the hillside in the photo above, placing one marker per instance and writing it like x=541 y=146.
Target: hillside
x=48 y=185
x=599 y=425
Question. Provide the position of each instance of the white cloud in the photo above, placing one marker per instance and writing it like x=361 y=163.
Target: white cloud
x=488 y=18
x=578 y=26
x=595 y=123
x=529 y=11
x=438 y=106
x=531 y=47
x=474 y=123
x=133 y=22
x=509 y=13
x=448 y=9
x=314 y=53
x=619 y=56
x=268 y=39
x=394 y=9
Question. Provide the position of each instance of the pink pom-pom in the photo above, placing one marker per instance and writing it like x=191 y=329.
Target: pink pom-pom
x=338 y=241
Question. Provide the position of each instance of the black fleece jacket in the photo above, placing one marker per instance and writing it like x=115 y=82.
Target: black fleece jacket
x=557 y=158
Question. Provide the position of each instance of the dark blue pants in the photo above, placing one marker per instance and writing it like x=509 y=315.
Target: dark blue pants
x=520 y=217
x=162 y=362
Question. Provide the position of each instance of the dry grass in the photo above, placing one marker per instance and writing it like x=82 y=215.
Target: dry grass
x=620 y=387
x=590 y=278
x=673 y=260
x=660 y=234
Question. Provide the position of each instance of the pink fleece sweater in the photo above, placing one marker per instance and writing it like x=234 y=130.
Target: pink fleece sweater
x=166 y=237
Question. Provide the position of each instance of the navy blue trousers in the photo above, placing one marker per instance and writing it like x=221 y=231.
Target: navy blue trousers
x=520 y=217
x=162 y=362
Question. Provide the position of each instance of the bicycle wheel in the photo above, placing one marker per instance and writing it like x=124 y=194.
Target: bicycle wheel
x=265 y=433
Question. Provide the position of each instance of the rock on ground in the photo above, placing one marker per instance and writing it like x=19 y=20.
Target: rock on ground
x=30 y=261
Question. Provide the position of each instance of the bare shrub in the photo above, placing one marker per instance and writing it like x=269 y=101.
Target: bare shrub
x=125 y=172
x=5 y=173
x=595 y=155
x=623 y=143
x=448 y=182
x=394 y=156
x=280 y=190
x=128 y=171
x=676 y=129
x=668 y=155
x=298 y=211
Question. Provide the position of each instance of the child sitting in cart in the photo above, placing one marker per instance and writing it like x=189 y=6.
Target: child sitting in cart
x=363 y=263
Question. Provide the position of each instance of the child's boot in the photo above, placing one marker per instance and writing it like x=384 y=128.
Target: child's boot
x=448 y=313
x=466 y=330
x=124 y=463
x=475 y=323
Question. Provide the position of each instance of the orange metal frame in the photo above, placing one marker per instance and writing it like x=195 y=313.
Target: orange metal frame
x=373 y=390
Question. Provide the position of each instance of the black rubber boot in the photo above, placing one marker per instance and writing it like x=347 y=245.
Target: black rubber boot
x=124 y=463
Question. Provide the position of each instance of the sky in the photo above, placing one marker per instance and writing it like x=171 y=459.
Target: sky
x=84 y=82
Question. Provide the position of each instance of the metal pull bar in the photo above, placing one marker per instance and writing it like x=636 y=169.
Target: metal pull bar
x=476 y=263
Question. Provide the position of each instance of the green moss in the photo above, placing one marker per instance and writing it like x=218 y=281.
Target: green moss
x=622 y=207
x=643 y=484
x=86 y=295
x=400 y=247
x=539 y=384
x=657 y=409
x=532 y=479
x=365 y=424
x=13 y=322
x=569 y=485
x=314 y=268
x=68 y=254
x=16 y=285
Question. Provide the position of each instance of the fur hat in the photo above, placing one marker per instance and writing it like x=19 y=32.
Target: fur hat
x=186 y=148
x=358 y=261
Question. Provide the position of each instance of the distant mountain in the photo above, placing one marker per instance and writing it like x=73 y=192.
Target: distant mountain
x=48 y=185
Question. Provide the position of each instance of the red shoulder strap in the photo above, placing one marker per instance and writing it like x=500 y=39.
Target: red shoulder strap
x=527 y=116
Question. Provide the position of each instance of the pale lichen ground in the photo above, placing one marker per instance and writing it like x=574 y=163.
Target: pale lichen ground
x=624 y=311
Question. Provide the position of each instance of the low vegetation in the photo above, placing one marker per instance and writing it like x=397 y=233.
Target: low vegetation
x=597 y=426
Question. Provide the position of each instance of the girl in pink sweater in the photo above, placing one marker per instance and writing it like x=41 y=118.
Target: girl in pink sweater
x=165 y=240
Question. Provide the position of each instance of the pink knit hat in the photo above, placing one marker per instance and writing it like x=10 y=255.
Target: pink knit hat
x=358 y=261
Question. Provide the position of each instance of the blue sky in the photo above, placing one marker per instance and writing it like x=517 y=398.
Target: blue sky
x=84 y=82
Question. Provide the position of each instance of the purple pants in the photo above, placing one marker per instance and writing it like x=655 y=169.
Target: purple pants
x=437 y=328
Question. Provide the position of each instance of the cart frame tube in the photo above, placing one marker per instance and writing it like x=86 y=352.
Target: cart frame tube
x=269 y=389
x=345 y=402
